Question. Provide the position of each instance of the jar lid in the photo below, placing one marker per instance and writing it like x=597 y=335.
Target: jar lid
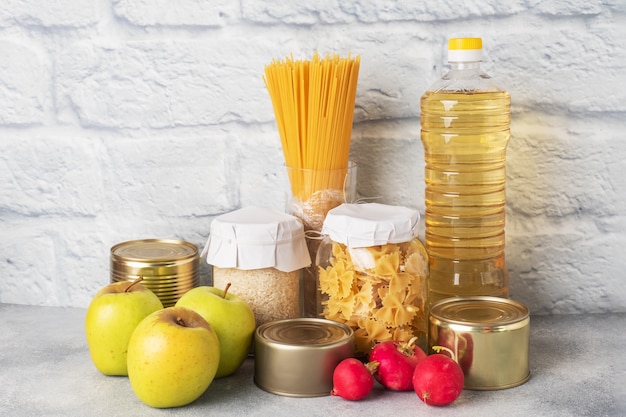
x=255 y=238
x=370 y=224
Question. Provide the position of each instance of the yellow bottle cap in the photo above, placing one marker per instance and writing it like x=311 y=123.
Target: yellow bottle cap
x=465 y=49
x=465 y=43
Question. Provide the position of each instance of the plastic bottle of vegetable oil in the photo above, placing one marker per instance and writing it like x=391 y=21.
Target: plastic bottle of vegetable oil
x=465 y=129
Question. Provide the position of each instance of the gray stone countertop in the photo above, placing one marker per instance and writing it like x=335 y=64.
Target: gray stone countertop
x=577 y=369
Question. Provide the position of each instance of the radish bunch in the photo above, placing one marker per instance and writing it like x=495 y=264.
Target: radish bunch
x=400 y=366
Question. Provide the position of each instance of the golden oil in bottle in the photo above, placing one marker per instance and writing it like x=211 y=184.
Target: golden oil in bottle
x=465 y=122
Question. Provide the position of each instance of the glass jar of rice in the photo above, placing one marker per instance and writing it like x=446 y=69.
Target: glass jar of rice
x=373 y=272
x=261 y=253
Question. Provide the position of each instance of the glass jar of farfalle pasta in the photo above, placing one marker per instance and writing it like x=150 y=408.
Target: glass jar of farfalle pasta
x=373 y=272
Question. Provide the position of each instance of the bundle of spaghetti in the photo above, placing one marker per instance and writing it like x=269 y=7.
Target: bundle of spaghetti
x=313 y=102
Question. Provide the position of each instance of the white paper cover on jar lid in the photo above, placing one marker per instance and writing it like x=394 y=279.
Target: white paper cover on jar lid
x=370 y=224
x=255 y=238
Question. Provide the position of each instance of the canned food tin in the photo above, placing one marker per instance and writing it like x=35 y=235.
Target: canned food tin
x=169 y=267
x=297 y=357
x=489 y=337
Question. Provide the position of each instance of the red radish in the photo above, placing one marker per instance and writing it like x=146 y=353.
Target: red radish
x=438 y=380
x=396 y=362
x=352 y=380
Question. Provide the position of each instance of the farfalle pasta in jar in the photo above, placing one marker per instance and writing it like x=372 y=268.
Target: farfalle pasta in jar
x=373 y=272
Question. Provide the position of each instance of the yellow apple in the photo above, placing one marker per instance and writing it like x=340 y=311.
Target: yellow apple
x=232 y=319
x=111 y=318
x=173 y=356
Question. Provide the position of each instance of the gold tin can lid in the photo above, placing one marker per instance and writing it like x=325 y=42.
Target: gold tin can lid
x=480 y=312
x=489 y=337
x=169 y=267
x=297 y=357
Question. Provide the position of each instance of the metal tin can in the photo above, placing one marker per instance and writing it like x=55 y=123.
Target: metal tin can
x=489 y=337
x=169 y=267
x=297 y=357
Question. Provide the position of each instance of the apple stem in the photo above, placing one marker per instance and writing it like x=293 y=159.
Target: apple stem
x=226 y=290
x=137 y=281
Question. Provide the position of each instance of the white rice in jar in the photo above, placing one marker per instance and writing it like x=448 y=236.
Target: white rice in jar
x=272 y=294
x=261 y=253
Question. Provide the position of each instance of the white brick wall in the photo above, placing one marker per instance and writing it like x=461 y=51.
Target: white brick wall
x=126 y=119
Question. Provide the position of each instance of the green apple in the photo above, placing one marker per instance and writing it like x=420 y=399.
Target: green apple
x=232 y=319
x=112 y=316
x=173 y=356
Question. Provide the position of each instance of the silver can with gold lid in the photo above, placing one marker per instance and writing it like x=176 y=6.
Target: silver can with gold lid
x=169 y=267
x=489 y=337
x=297 y=357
